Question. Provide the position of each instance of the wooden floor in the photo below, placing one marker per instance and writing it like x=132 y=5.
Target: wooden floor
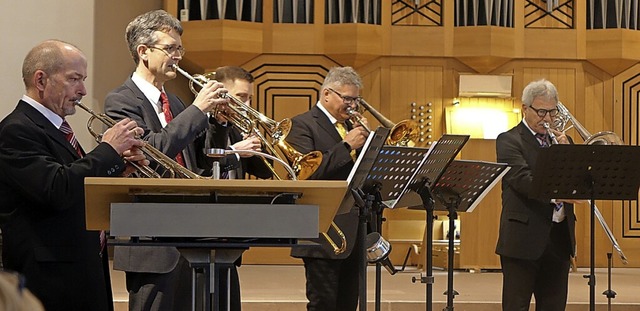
x=276 y=287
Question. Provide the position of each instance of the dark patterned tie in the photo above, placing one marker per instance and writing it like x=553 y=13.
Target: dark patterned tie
x=543 y=140
x=65 y=128
x=168 y=116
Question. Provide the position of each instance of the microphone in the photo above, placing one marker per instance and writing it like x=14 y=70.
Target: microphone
x=378 y=251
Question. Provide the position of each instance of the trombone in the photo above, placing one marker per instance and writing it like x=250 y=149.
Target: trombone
x=601 y=138
x=248 y=120
x=174 y=169
x=404 y=133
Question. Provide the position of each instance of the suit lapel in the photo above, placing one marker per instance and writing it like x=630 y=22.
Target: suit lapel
x=40 y=121
x=149 y=108
x=324 y=123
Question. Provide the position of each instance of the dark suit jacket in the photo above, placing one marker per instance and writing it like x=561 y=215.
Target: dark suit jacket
x=45 y=238
x=312 y=131
x=185 y=132
x=525 y=222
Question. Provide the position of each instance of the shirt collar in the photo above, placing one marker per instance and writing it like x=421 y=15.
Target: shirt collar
x=149 y=90
x=527 y=125
x=324 y=110
x=55 y=119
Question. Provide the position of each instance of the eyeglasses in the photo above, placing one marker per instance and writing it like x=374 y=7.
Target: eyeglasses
x=171 y=49
x=346 y=99
x=543 y=112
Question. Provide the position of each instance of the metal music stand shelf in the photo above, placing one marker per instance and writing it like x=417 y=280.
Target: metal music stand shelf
x=183 y=213
x=594 y=172
x=460 y=189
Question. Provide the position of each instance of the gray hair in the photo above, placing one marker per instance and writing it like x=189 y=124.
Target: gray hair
x=338 y=76
x=141 y=30
x=540 y=88
x=47 y=56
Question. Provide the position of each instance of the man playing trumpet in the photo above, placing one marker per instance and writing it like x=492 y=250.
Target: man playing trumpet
x=158 y=278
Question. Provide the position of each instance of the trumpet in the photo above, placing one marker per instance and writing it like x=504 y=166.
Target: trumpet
x=248 y=120
x=171 y=167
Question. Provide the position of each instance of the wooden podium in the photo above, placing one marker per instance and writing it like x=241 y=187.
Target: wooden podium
x=195 y=227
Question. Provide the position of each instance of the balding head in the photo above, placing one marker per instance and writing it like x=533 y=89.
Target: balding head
x=48 y=56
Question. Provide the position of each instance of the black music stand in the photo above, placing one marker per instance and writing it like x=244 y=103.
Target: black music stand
x=405 y=176
x=461 y=188
x=595 y=172
x=354 y=196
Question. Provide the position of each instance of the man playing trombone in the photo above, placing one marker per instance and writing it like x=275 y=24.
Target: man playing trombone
x=332 y=279
x=158 y=278
x=537 y=236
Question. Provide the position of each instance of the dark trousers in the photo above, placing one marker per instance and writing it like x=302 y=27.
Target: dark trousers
x=546 y=278
x=160 y=291
x=332 y=284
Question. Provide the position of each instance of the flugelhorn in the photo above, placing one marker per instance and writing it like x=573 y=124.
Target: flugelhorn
x=403 y=133
x=249 y=121
x=171 y=167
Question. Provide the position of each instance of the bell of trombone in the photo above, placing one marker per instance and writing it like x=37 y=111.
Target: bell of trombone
x=403 y=133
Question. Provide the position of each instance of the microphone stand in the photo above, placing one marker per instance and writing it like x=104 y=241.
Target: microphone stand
x=219 y=153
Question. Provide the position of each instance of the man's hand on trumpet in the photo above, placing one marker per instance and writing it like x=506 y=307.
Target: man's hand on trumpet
x=124 y=137
x=250 y=142
x=210 y=96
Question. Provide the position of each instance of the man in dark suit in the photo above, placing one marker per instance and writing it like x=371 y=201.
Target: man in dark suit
x=537 y=235
x=43 y=169
x=332 y=280
x=159 y=278
x=239 y=84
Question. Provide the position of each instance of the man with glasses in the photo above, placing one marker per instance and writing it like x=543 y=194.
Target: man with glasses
x=537 y=235
x=159 y=278
x=332 y=280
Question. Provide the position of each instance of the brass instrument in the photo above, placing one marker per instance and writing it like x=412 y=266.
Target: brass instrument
x=173 y=168
x=563 y=118
x=248 y=120
x=601 y=138
x=403 y=133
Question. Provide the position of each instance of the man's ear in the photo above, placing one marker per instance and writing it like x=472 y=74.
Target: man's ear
x=39 y=80
x=142 y=51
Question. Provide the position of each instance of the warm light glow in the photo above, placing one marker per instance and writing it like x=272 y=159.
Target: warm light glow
x=480 y=122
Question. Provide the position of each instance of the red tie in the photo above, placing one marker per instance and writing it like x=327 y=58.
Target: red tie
x=166 y=109
x=65 y=128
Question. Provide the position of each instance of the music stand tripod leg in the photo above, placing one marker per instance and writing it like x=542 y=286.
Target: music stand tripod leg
x=453 y=215
x=428 y=204
x=364 y=206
